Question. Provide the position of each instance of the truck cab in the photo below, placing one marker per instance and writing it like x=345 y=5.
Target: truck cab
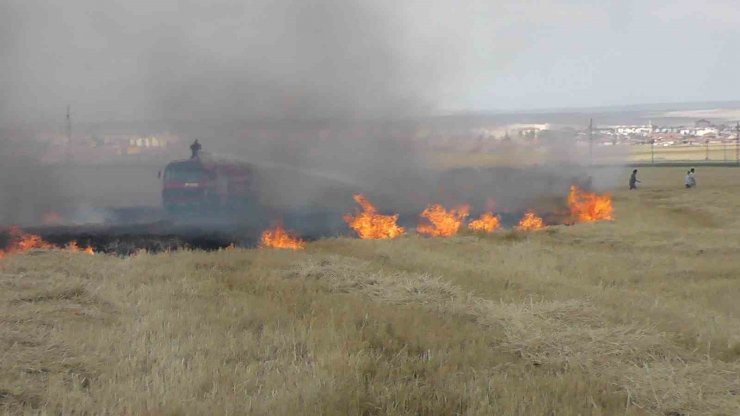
x=204 y=186
x=185 y=185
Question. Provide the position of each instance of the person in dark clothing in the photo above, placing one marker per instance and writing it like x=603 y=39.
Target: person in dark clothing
x=633 y=180
x=195 y=149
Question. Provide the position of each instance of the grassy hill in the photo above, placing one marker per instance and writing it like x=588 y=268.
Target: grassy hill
x=637 y=316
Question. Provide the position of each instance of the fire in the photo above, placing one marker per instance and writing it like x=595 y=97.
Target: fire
x=587 y=206
x=74 y=248
x=370 y=225
x=530 y=222
x=18 y=241
x=442 y=223
x=488 y=222
x=30 y=242
x=277 y=237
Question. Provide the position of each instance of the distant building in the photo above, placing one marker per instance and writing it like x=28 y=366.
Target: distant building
x=706 y=131
x=634 y=130
x=703 y=123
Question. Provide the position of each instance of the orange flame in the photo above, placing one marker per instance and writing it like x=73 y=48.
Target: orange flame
x=587 y=206
x=18 y=241
x=370 y=225
x=74 y=248
x=487 y=222
x=530 y=222
x=277 y=237
x=440 y=222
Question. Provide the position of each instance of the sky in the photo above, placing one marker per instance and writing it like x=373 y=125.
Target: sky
x=247 y=59
x=614 y=53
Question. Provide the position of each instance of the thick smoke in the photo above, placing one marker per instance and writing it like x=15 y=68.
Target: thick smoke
x=28 y=188
x=213 y=71
x=289 y=59
x=223 y=60
x=7 y=44
x=320 y=95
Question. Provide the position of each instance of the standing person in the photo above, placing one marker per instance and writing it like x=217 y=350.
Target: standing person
x=688 y=180
x=693 y=178
x=633 y=180
x=195 y=148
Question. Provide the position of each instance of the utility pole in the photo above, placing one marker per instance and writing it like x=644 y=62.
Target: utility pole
x=706 y=143
x=591 y=141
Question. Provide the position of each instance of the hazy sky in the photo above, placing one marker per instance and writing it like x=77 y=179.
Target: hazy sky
x=152 y=59
x=590 y=53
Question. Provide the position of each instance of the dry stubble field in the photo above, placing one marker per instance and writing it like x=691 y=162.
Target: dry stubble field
x=639 y=316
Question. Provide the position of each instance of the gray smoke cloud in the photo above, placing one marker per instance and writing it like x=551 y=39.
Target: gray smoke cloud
x=28 y=189
x=7 y=49
x=220 y=60
x=317 y=94
x=204 y=69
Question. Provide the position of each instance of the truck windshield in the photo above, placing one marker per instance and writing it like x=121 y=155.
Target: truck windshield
x=184 y=174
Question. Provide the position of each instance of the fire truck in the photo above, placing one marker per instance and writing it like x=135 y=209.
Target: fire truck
x=207 y=185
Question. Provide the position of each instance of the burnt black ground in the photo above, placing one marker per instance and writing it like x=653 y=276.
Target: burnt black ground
x=201 y=234
x=132 y=222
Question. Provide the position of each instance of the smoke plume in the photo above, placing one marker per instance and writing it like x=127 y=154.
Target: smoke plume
x=322 y=96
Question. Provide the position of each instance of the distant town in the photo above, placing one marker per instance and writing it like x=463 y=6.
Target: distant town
x=99 y=144
x=701 y=132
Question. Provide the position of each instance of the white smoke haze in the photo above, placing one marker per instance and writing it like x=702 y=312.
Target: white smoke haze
x=333 y=83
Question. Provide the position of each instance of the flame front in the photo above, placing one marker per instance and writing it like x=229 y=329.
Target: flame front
x=487 y=222
x=369 y=225
x=530 y=222
x=440 y=222
x=277 y=237
x=587 y=206
x=30 y=242
x=18 y=242
x=74 y=248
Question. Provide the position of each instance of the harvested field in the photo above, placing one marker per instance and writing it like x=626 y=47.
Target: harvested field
x=639 y=316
